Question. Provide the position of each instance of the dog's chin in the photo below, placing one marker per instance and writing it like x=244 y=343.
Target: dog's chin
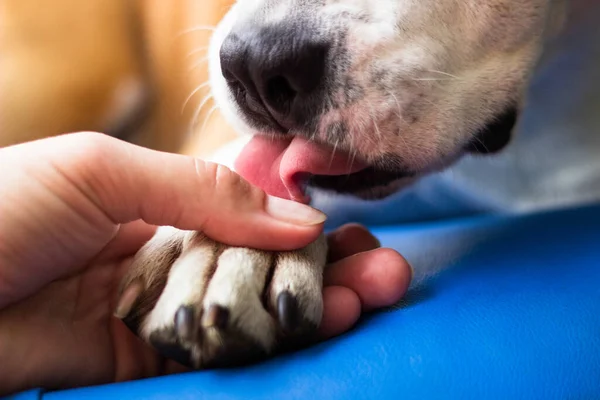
x=374 y=183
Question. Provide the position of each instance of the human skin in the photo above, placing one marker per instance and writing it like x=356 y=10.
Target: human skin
x=75 y=208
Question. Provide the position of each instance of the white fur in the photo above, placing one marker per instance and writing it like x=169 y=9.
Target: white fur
x=184 y=286
x=453 y=66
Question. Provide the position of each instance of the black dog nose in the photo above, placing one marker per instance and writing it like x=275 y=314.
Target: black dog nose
x=274 y=74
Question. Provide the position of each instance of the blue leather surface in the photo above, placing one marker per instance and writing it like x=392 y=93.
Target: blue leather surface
x=515 y=315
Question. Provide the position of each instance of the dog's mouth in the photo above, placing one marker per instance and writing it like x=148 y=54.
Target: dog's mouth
x=286 y=167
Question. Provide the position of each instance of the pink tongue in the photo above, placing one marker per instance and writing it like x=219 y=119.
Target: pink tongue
x=281 y=166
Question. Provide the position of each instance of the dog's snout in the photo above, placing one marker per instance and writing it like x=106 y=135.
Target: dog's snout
x=274 y=74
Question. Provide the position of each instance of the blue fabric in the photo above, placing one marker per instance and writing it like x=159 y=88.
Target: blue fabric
x=35 y=394
x=514 y=314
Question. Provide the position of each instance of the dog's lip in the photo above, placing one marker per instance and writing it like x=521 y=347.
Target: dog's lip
x=362 y=183
x=283 y=166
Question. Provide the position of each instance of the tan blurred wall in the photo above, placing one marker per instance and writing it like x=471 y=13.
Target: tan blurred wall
x=119 y=67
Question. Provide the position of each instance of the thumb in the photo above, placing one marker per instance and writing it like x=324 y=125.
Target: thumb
x=129 y=182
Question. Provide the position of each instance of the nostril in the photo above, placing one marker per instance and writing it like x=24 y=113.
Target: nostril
x=280 y=93
x=275 y=74
x=237 y=88
x=227 y=74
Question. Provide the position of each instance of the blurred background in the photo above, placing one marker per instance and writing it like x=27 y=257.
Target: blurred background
x=121 y=67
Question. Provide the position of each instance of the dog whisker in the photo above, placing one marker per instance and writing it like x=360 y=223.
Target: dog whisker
x=207 y=118
x=482 y=143
x=398 y=113
x=352 y=146
x=198 y=63
x=373 y=118
x=194 y=92
x=432 y=79
x=199 y=110
x=198 y=28
x=433 y=104
x=443 y=73
x=352 y=158
x=197 y=50
x=335 y=145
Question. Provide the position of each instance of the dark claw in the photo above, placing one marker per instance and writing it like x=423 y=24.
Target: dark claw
x=185 y=323
x=287 y=311
x=216 y=317
x=171 y=350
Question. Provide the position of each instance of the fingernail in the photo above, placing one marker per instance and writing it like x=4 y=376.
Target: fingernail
x=293 y=212
x=377 y=242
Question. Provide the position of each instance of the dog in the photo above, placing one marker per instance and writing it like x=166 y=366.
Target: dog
x=351 y=96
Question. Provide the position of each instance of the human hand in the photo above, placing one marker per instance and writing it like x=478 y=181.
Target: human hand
x=76 y=207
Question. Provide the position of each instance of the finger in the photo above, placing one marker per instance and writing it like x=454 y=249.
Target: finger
x=341 y=310
x=128 y=182
x=127 y=241
x=350 y=239
x=379 y=277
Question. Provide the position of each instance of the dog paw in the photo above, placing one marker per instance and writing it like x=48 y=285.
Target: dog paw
x=205 y=304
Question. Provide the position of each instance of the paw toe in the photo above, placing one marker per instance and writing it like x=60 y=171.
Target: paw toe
x=215 y=317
